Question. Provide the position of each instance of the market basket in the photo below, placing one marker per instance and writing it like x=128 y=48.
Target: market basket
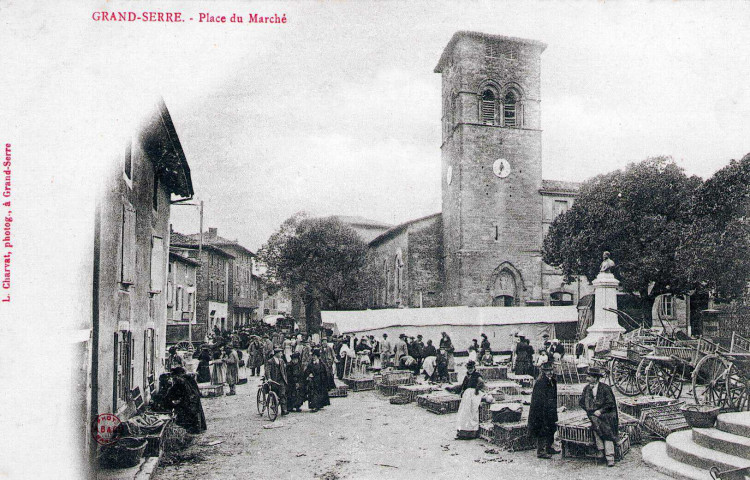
x=633 y=406
x=399 y=400
x=700 y=416
x=125 y=453
x=493 y=373
x=663 y=420
x=506 y=412
x=394 y=378
x=388 y=390
x=411 y=391
x=526 y=381
x=513 y=437
x=360 y=384
x=439 y=403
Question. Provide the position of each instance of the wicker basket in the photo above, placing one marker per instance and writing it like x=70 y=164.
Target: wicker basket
x=579 y=450
x=493 y=373
x=412 y=391
x=569 y=399
x=439 y=403
x=633 y=406
x=388 y=390
x=360 y=384
x=399 y=400
x=396 y=378
x=126 y=453
x=664 y=420
x=700 y=416
x=339 y=392
x=486 y=431
x=506 y=413
x=513 y=436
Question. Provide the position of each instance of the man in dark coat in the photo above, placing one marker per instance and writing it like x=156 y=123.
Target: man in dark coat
x=599 y=403
x=276 y=371
x=543 y=412
x=295 y=392
x=318 y=383
x=184 y=396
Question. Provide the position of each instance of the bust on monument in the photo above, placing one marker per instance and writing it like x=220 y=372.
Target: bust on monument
x=607 y=264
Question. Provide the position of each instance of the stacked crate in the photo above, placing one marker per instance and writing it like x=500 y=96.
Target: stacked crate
x=412 y=391
x=499 y=372
x=663 y=420
x=634 y=406
x=577 y=439
x=439 y=403
x=513 y=437
x=360 y=383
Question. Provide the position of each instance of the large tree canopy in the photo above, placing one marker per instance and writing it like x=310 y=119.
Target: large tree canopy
x=716 y=252
x=319 y=258
x=640 y=215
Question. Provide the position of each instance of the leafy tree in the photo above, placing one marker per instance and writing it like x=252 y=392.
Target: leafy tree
x=640 y=215
x=321 y=259
x=714 y=255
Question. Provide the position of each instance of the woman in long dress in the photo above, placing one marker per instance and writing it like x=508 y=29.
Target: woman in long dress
x=467 y=423
x=218 y=372
x=318 y=383
x=445 y=342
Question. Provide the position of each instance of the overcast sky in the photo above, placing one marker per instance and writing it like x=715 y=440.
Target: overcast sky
x=338 y=111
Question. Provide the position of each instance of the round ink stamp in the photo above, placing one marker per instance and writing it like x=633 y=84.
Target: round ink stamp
x=104 y=429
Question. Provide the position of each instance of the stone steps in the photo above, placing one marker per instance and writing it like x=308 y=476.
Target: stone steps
x=655 y=456
x=722 y=441
x=681 y=447
x=690 y=454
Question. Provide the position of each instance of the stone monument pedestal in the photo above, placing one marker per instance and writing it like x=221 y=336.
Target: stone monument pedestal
x=605 y=327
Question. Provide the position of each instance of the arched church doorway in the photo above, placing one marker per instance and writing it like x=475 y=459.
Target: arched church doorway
x=505 y=291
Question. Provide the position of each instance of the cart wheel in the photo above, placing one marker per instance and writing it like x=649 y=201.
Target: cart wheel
x=640 y=374
x=273 y=406
x=184 y=346
x=709 y=381
x=623 y=376
x=738 y=389
x=261 y=401
x=663 y=379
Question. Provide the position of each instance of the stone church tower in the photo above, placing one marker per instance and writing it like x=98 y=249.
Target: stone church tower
x=492 y=170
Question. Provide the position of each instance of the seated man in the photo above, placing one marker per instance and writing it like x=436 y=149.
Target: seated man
x=184 y=396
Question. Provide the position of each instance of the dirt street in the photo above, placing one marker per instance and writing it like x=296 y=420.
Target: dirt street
x=361 y=436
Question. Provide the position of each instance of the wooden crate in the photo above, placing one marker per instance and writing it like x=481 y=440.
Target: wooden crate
x=360 y=384
x=493 y=373
x=486 y=431
x=411 y=391
x=578 y=450
x=388 y=390
x=513 y=436
x=395 y=378
x=339 y=392
x=663 y=420
x=506 y=412
x=485 y=412
x=569 y=399
x=508 y=388
x=526 y=381
x=576 y=429
x=208 y=391
x=632 y=427
x=633 y=406
x=439 y=403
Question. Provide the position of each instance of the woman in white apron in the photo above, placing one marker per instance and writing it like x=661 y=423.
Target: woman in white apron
x=471 y=391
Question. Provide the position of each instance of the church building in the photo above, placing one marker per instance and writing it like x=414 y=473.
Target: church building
x=484 y=248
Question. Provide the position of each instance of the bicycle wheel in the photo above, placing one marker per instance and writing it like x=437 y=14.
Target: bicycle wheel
x=261 y=401
x=273 y=406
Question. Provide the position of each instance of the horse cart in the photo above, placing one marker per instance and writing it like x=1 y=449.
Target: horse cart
x=722 y=378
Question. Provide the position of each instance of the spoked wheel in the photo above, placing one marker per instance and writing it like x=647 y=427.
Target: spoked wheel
x=709 y=381
x=664 y=379
x=640 y=374
x=184 y=346
x=261 y=402
x=738 y=389
x=623 y=376
x=273 y=406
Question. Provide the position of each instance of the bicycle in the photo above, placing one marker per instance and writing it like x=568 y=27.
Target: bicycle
x=267 y=400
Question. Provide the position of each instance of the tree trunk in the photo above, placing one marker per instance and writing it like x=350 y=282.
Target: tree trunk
x=313 y=319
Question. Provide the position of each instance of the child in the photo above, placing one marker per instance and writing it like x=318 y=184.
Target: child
x=441 y=371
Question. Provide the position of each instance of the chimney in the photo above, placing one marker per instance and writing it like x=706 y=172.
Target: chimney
x=212 y=232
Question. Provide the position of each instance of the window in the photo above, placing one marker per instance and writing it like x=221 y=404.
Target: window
x=123 y=365
x=561 y=206
x=509 y=109
x=666 y=307
x=510 y=54
x=127 y=240
x=178 y=301
x=190 y=302
x=155 y=196
x=558 y=299
x=488 y=107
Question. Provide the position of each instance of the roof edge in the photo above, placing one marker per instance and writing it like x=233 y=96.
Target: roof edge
x=388 y=233
x=468 y=33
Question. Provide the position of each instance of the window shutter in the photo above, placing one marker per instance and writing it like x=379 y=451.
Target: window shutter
x=501 y=115
x=127 y=264
x=520 y=114
x=115 y=374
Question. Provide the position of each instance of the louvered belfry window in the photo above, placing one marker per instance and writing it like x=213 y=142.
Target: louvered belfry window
x=488 y=107
x=509 y=110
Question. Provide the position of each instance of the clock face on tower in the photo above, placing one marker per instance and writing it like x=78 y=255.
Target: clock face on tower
x=449 y=175
x=501 y=168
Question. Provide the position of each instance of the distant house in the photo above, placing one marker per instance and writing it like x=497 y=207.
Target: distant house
x=130 y=268
x=181 y=295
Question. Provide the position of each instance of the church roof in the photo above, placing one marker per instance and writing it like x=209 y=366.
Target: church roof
x=560 y=186
x=361 y=221
x=463 y=33
x=391 y=232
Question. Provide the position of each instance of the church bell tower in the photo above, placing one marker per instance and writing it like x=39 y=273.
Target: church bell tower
x=491 y=170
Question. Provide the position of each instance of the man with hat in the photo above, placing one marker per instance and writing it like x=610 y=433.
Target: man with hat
x=276 y=371
x=598 y=402
x=543 y=412
x=184 y=396
x=386 y=350
x=402 y=349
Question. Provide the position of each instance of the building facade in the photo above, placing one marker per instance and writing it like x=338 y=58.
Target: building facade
x=485 y=247
x=131 y=249
x=181 y=296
